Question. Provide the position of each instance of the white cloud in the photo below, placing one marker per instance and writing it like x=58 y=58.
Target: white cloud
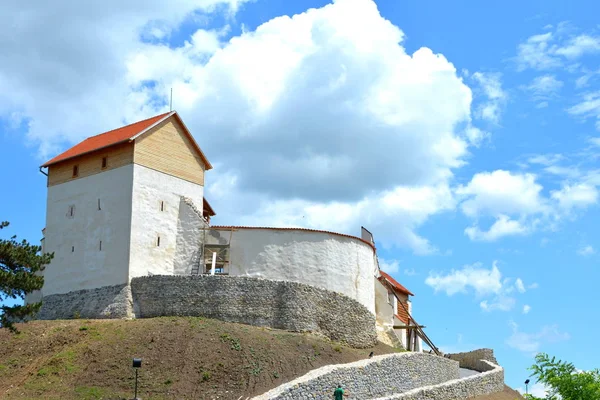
x=410 y=272
x=534 y=53
x=534 y=285
x=578 y=195
x=483 y=281
x=286 y=113
x=537 y=389
x=77 y=85
x=503 y=226
x=526 y=309
x=389 y=266
x=511 y=199
x=520 y=286
x=579 y=45
x=586 y=251
x=491 y=86
x=554 y=49
x=501 y=303
x=544 y=88
x=515 y=201
x=501 y=192
x=588 y=107
x=531 y=342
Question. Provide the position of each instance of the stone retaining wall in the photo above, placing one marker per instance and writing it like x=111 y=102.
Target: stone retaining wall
x=491 y=381
x=473 y=359
x=105 y=302
x=260 y=302
x=370 y=378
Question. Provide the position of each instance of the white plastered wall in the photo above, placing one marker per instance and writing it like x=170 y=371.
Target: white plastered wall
x=148 y=222
x=324 y=260
x=78 y=262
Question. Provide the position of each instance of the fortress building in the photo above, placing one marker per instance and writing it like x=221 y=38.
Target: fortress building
x=127 y=206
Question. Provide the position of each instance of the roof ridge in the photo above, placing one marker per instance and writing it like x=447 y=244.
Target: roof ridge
x=124 y=126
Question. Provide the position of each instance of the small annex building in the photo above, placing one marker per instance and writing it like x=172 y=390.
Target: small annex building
x=130 y=203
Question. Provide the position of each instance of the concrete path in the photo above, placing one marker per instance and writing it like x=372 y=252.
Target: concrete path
x=467 y=372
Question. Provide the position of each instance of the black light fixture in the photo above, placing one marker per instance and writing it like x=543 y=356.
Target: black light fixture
x=527 y=387
x=137 y=364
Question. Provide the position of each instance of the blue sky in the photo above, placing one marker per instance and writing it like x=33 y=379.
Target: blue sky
x=464 y=135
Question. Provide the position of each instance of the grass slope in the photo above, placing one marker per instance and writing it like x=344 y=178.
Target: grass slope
x=183 y=358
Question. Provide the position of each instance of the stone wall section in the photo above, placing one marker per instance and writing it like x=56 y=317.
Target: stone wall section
x=491 y=381
x=260 y=302
x=366 y=379
x=105 y=302
x=473 y=359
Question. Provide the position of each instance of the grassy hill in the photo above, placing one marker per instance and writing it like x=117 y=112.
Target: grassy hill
x=182 y=358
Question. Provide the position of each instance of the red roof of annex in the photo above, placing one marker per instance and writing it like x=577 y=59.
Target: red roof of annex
x=395 y=283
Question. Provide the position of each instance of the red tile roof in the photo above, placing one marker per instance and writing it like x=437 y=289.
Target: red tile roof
x=294 y=229
x=106 y=139
x=121 y=135
x=395 y=284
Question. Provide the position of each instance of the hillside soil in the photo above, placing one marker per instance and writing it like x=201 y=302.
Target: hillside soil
x=182 y=358
x=507 y=394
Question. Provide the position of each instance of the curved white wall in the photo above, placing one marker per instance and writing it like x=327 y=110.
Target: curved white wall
x=326 y=260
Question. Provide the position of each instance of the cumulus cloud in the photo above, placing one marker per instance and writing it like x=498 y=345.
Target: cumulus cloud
x=287 y=113
x=526 y=309
x=483 y=281
x=531 y=342
x=510 y=199
x=77 y=85
x=578 y=195
x=501 y=192
x=515 y=201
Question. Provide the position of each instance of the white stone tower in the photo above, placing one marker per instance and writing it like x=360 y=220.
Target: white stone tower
x=114 y=203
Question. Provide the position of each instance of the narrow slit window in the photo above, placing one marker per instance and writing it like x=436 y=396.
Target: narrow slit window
x=104 y=162
x=162 y=206
x=99 y=208
x=158 y=241
x=72 y=249
x=71 y=211
x=75 y=170
x=101 y=245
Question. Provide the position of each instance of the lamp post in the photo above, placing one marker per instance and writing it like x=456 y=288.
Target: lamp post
x=527 y=387
x=137 y=364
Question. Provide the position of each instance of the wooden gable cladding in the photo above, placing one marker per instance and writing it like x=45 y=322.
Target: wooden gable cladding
x=90 y=164
x=167 y=148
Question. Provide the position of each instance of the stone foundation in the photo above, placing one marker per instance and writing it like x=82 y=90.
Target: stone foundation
x=259 y=302
x=105 y=303
x=253 y=301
